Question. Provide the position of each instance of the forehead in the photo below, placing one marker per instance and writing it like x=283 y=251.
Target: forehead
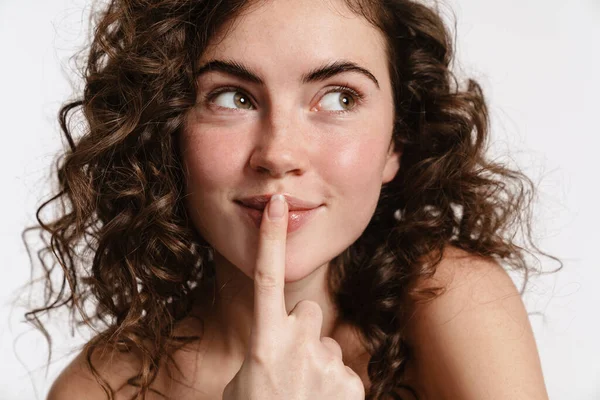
x=294 y=35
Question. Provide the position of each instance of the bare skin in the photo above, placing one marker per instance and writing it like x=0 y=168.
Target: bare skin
x=292 y=135
x=287 y=135
x=474 y=342
x=290 y=138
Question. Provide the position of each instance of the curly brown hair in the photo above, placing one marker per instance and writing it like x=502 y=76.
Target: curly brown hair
x=129 y=257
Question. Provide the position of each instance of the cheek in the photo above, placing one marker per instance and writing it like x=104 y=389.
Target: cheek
x=354 y=163
x=211 y=159
x=353 y=170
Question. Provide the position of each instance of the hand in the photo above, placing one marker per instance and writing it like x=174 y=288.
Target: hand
x=286 y=358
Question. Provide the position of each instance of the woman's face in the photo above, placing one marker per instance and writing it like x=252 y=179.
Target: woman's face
x=297 y=101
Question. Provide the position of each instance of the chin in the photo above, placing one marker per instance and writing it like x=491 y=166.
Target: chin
x=308 y=251
x=295 y=269
x=300 y=264
x=298 y=271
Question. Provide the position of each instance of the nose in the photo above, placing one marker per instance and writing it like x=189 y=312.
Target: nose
x=280 y=148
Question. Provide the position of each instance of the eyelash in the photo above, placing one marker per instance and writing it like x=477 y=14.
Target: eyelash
x=358 y=97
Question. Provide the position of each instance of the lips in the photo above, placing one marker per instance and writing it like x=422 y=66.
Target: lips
x=294 y=204
x=300 y=211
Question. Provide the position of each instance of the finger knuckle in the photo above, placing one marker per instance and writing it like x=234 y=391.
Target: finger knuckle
x=332 y=347
x=331 y=342
x=332 y=363
x=352 y=373
x=355 y=383
x=264 y=282
x=261 y=355
x=353 y=376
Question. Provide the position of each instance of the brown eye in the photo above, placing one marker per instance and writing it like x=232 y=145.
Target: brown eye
x=232 y=99
x=338 y=101
x=241 y=101
x=347 y=101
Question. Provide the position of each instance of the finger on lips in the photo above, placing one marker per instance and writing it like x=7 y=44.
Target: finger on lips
x=269 y=273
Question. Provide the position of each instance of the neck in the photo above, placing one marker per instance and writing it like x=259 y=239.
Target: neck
x=228 y=308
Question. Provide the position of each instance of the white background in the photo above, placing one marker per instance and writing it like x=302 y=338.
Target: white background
x=539 y=63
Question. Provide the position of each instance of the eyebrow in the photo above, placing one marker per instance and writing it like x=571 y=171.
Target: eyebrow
x=316 y=75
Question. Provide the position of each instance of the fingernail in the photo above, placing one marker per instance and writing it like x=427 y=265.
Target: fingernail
x=276 y=207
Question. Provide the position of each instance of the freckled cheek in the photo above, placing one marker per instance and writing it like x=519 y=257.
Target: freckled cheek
x=212 y=160
x=354 y=164
x=353 y=173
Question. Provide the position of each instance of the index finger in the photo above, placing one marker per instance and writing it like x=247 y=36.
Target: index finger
x=269 y=272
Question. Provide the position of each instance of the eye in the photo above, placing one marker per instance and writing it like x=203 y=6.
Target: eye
x=230 y=98
x=340 y=99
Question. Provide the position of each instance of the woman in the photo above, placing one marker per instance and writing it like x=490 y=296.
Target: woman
x=286 y=200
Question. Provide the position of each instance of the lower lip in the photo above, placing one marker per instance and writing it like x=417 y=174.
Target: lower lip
x=296 y=219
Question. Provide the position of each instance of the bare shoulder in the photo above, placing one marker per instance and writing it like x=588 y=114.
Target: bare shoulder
x=475 y=341
x=77 y=381
x=465 y=277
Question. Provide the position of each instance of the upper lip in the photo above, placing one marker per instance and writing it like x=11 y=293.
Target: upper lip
x=294 y=203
